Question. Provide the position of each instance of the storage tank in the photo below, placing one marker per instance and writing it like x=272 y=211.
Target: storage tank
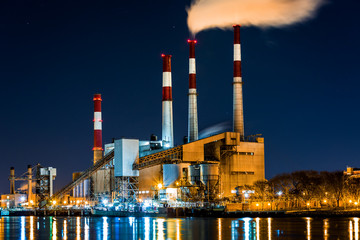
x=194 y=174
x=173 y=173
x=209 y=174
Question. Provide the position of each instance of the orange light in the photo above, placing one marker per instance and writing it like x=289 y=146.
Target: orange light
x=162 y=55
x=98 y=148
x=97 y=99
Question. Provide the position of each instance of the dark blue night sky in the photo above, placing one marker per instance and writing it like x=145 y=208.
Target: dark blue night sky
x=300 y=82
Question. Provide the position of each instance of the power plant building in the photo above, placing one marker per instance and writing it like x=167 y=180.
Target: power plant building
x=207 y=169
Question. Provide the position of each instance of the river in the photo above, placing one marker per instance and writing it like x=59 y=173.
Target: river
x=147 y=228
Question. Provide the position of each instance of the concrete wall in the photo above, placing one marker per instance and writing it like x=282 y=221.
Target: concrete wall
x=103 y=180
x=126 y=153
x=149 y=178
x=244 y=167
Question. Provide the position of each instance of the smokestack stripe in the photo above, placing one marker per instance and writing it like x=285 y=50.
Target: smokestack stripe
x=193 y=115
x=97 y=128
x=167 y=115
x=238 y=116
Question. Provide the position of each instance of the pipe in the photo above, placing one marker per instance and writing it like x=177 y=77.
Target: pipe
x=193 y=114
x=98 y=150
x=167 y=110
x=238 y=115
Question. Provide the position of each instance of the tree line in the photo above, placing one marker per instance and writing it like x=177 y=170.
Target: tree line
x=303 y=188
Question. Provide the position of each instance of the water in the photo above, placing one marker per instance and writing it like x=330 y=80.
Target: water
x=177 y=228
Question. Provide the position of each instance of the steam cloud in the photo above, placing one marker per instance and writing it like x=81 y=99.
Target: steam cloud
x=205 y=14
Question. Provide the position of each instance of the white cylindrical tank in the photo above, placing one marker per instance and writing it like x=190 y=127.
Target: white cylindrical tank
x=173 y=173
x=194 y=174
x=209 y=174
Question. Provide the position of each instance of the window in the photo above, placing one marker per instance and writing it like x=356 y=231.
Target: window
x=241 y=173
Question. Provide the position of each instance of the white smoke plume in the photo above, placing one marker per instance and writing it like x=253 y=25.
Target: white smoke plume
x=205 y=14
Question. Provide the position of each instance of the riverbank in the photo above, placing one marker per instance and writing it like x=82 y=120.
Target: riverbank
x=186 y=212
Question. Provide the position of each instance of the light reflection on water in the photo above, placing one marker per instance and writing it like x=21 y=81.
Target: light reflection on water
x=148 y=228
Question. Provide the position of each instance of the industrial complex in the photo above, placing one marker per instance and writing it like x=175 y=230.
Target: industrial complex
x=154 y=171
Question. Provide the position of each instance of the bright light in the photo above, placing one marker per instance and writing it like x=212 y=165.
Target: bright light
x=279 y=193
x=350 y=201
x=86 y=203
x=105 y=201
x=54 y=202
x=257 y=204
x=167 y=145
x=64 y=202
x=325 y=201
x=160 y=185
x=269 y=204
x=31 y=201
x=22 y=199
x=356 y=203
x=308 y=204
x=246 y=195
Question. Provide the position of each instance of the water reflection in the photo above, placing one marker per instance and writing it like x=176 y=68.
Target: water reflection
x=22 y=228
x=54 y=230
x=326 y=227
x=86 y=228
x=31 y=227
x=269 y=228
x=219 y=228
x=148 y=228
x=65 y=230
x=160 y=225
x=308 y=228
x=356 y=228
x=247 y=228
x=78 y=228
x=257 y=228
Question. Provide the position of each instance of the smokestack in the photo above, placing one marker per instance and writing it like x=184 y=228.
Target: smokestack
x=98 y=150
x=167 y=112
x=238 y=115
x=29 y=184
x=193 y=115
x=12 y=180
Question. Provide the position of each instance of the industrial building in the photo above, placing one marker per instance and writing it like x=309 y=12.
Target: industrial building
x=200 y=170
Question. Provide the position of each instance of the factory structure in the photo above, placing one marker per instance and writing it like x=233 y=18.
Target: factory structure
x=138 y=171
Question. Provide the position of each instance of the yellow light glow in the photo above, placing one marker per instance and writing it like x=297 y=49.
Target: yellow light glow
x=308 y=204
x=356 y=203
x=54 y=202
x=64 y=202
x=257 y=204
x=269 y=204
x=350 y=201
x=325 y=201
x=160 y=185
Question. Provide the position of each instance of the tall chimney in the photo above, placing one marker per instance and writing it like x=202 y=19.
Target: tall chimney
x=167 y=112
x=98 y=150
x=12 y=180
x=29 y=185
x=193 y=115
x=238 y=114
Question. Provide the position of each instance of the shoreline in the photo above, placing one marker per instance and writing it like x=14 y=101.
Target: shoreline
x=186 y=212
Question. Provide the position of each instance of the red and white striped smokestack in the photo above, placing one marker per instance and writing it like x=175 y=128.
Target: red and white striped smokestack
x=167 y=111
x=193 y=114
x=238 y=115
x=98 y=150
